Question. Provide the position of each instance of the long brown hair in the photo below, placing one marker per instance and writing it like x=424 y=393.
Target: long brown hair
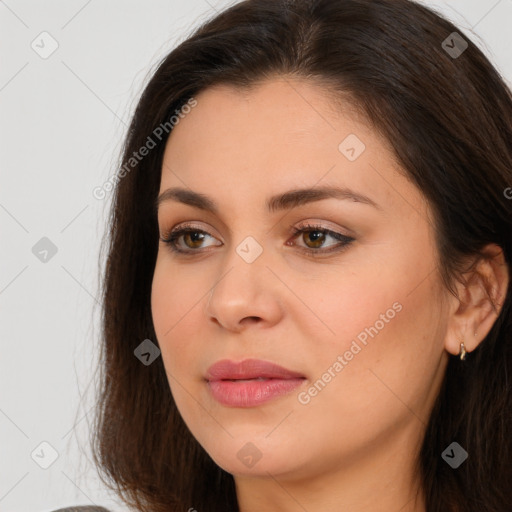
x=447 y=115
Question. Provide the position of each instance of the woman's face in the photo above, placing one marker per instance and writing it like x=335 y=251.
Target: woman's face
x=359 y=320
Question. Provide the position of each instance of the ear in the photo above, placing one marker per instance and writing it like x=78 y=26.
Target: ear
x=481 y=295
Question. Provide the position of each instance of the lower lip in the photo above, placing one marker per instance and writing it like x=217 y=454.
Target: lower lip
x=250 y=393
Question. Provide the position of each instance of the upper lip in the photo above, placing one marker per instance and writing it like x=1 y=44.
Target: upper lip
x=249 y=369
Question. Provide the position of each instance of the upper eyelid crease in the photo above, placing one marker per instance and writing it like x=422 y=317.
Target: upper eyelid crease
x=284 y=201
x=343 y=240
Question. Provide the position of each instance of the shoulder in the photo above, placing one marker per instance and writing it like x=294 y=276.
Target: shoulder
x=82 y=508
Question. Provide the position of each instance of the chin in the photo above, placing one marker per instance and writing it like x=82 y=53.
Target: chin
x=253 y=454
x=276 y=464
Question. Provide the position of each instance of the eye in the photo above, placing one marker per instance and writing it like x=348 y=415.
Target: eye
x=314 y=240
x=314 y=237
x=192 y=237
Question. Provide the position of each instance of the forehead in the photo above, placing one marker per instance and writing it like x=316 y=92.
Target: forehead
x=275 y=106
x=278 y=134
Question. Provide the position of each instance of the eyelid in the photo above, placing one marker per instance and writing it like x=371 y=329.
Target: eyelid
x=343 y=241
x=324 y=225
x=190 y=225
x=294 y=227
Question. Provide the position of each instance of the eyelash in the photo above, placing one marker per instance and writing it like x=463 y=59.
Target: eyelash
x=172 y=236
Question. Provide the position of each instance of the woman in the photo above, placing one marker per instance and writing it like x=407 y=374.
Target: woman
x=306 y=301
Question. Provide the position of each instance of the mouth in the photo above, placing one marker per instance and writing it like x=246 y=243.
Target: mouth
x=251 y=382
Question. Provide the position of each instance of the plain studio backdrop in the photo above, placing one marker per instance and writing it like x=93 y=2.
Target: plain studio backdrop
x=70 y=75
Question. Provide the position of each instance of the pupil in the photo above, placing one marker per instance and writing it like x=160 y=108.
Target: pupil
x=194 y=237
x=315 y=237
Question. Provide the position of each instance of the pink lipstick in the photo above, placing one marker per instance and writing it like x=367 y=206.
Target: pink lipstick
x=250 y=382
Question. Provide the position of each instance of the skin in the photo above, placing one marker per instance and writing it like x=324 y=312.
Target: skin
x=353 y=445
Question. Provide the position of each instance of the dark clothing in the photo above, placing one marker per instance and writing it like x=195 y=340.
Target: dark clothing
x=82 y=508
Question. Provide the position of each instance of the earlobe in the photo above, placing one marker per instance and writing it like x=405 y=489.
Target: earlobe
x=482 y=292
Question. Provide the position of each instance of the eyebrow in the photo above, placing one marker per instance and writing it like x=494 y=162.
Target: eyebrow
x=284 y=201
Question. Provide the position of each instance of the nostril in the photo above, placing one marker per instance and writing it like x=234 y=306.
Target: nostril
x=251 y=319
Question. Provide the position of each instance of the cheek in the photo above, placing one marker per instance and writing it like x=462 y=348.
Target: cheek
x=386 y=372
x=173 y=306
x=360 y=305
x=384 y=316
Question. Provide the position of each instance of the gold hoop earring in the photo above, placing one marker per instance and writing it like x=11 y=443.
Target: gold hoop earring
x=462 y=352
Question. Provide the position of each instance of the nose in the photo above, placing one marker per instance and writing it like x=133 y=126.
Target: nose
x=245 y=294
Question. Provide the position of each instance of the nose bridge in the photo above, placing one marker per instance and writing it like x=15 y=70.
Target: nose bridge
x=244 y=286
x=245 y=265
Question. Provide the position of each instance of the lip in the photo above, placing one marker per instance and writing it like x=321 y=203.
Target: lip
x=249 y=369
x=250 y=382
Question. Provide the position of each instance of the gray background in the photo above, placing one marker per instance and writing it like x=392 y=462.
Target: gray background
x=62 y=120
